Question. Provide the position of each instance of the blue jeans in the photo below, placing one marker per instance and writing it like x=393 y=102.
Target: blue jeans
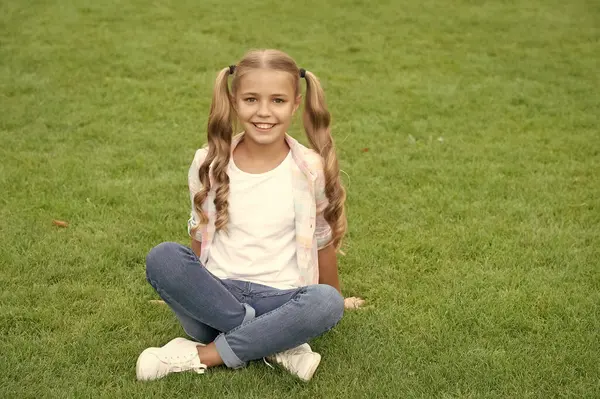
x=246 y=321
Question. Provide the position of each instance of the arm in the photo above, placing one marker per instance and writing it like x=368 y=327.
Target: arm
x=195 y=185
x=328 y=274
x=328 y=270
x=196 y=247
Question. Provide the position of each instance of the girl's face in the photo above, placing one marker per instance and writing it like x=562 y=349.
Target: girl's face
x=265 y=102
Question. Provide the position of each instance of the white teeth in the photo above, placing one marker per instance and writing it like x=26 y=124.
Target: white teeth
x=263 y=125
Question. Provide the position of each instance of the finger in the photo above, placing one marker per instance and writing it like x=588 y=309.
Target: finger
x=357 y=303
x=348 y=303
x=353 y=303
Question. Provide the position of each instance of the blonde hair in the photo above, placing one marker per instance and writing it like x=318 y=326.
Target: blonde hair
x=316 y=120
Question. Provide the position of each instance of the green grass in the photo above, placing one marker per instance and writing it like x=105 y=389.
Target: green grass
x=474 y=216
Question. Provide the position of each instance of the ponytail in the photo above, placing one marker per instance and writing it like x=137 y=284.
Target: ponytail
x=317 y=121
x=220 y=132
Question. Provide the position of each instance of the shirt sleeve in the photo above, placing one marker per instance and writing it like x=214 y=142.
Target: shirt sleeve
x=322 y=228
x=195 y=186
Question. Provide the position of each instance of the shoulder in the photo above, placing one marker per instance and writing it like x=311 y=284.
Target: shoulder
x=313 y=161
x=199 y=157
x=193 y=177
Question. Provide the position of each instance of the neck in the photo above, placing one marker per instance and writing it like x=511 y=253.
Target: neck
x=265 y=153
x=251 y=157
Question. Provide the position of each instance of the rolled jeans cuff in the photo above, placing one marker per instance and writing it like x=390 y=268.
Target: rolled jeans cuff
x=230 y=359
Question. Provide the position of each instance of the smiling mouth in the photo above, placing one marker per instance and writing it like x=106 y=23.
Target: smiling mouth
x=264 y=126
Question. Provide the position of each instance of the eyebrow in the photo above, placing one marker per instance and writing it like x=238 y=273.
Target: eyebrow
x=258 y=95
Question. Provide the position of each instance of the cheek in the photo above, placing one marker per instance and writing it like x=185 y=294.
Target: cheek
x=286 y=113
x=243 y=111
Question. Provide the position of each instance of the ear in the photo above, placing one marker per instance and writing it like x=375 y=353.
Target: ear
x=297 y=103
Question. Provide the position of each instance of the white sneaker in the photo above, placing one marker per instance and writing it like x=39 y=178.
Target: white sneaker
x=176 y=356
x=300 y=361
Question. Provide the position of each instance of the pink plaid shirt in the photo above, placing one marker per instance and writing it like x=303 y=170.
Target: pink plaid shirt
x=312 y=231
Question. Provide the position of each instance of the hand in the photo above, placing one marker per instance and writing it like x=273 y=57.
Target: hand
x=353 y=302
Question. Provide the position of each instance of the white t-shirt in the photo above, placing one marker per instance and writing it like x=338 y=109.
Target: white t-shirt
x=260 y=243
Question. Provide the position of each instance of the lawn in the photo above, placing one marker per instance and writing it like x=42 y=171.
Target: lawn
x=469 y=134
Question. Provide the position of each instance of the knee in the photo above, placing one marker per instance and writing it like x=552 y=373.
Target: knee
x=329 y=304
x=159 y=258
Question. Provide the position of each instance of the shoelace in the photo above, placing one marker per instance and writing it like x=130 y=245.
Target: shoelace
x=178 y=359
x=267 y=363
x=293 y=351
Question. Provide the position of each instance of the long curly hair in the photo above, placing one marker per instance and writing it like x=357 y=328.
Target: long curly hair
x=316 y=119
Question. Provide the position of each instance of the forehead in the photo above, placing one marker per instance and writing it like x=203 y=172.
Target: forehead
x=266 y=81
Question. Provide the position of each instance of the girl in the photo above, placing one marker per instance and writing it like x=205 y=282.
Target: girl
x=267 y=218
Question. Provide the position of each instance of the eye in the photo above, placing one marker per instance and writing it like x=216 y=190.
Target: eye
x=278 y=100
x=250 y=99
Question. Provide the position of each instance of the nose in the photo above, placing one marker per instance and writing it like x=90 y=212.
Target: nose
x=263 y=110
